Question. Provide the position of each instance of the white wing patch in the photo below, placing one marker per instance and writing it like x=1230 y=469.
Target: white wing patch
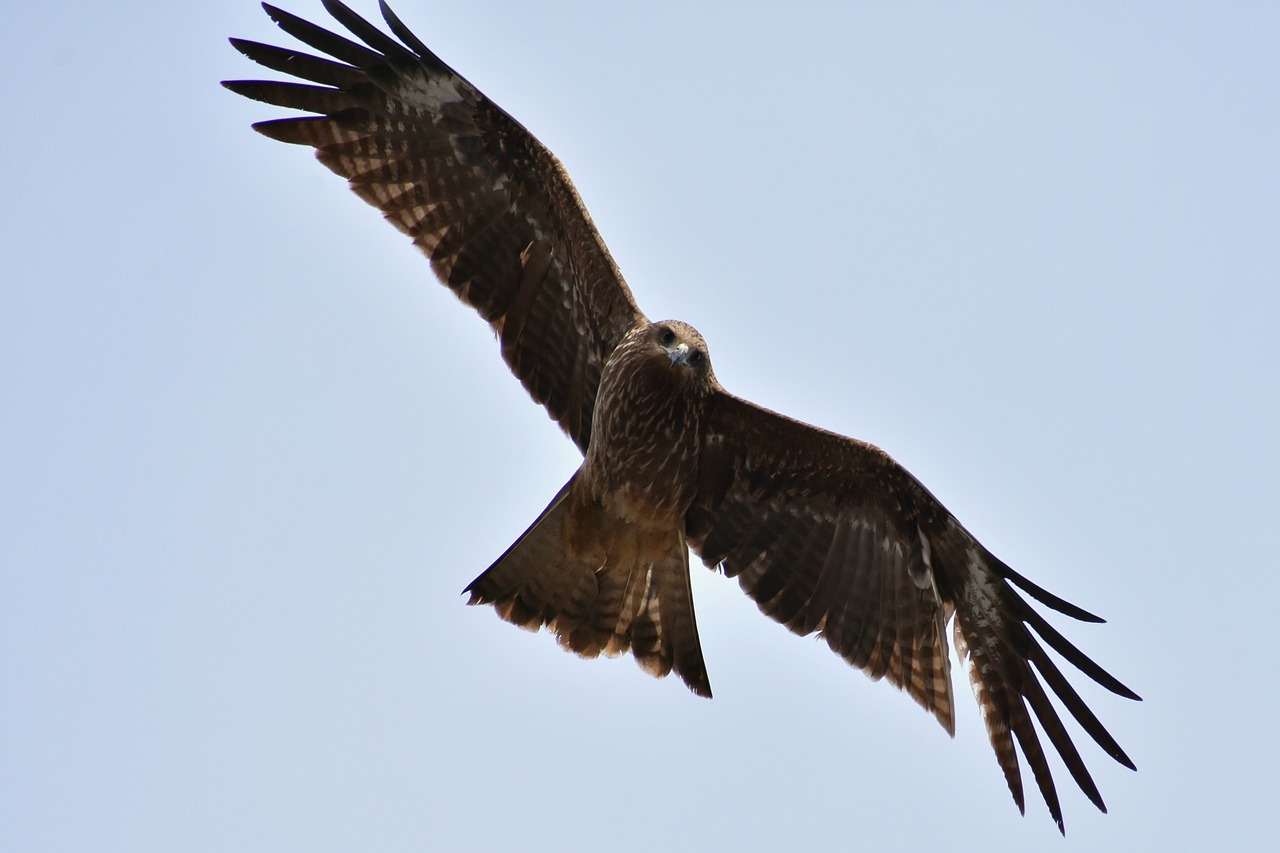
x=433 y=92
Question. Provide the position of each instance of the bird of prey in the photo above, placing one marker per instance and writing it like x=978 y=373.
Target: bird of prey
x=827 y=534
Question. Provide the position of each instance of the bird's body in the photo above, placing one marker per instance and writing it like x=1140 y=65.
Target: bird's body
x=826 y=533
x=606 y=565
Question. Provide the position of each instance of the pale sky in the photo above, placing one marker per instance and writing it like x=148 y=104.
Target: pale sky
x=251 y=452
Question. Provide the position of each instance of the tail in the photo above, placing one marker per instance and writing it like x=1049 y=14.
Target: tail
x=610 y=605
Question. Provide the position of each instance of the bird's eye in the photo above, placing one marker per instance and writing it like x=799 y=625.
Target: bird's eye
x=666 y=337
x=697 y=357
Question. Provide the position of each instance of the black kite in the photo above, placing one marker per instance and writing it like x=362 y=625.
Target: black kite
x=826 y=533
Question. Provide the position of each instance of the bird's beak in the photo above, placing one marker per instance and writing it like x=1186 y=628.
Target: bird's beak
x=678 y=355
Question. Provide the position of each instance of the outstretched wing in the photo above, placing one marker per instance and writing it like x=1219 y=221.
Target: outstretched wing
x=831 y=535
x=489 y=205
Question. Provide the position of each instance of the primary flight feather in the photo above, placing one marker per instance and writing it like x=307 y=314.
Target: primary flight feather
x=826 y=533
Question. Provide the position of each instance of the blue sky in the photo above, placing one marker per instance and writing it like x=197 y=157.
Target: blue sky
x=251 y=452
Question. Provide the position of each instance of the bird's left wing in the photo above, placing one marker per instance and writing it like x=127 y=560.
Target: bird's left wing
x=830 y=534
x=822 y=531
x=488 y=204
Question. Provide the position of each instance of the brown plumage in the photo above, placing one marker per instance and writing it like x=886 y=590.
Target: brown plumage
x=826 y=533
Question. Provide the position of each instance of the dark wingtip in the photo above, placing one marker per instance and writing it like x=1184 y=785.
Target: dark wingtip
x=241 y=45
x=333 y=7
x=275 y=13
x=401 y=31
x=1048 y=599
x=1041 y=594
x=237 y=86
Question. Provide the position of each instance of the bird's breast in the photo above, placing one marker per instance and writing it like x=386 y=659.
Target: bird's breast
x=621 y=526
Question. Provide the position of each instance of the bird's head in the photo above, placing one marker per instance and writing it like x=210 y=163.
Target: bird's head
x=658 y=359
x=683 y=348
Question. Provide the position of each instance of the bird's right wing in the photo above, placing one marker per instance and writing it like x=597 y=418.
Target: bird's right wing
x=489 y=205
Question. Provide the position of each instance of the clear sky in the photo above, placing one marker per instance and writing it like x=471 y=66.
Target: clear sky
x=251 y=452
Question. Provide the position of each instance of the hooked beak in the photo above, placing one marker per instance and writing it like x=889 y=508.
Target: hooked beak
x=678 y=355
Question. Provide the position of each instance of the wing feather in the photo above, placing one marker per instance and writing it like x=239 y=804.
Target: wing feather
x=301 y=65
x=830 y=534
x=325 y=41
x=475 y=191
x=810 y=562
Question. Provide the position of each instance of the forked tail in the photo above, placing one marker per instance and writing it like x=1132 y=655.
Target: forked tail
x=609 y=604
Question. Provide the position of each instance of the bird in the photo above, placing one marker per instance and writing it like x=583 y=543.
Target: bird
x=829 y=535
